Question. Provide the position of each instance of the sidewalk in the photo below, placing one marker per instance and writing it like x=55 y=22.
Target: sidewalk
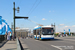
x=2 y=43
x=10 y=45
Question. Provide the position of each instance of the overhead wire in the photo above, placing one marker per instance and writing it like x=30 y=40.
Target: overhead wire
x=34 y=8
x=31 y=9
x=19 y=2
x=33 y=21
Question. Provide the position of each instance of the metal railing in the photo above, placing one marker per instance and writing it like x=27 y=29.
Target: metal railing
x=2 y=38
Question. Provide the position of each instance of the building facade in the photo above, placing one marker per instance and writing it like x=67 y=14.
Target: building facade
x=21 y=32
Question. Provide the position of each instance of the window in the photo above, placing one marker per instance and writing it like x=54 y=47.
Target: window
x=34 y=31
x=47 y=31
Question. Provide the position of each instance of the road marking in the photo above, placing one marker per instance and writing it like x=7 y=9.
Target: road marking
x=51 y=45
x=56 y=47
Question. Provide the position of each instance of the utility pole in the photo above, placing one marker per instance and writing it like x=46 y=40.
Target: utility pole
x=54 y=28
x=16 y=17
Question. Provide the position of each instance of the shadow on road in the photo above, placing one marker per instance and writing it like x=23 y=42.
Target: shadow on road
x=53 y=40
x=2 y=44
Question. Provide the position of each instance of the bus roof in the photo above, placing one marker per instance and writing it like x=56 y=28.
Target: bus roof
x=37 y=27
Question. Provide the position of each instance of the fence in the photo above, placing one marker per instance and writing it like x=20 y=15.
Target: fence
x=2 y=38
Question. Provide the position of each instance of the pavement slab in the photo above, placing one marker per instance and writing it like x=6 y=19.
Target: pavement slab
x=10 y=45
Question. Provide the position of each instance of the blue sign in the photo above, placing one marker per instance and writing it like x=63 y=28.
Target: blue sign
x=69 y=31
x=64 y=31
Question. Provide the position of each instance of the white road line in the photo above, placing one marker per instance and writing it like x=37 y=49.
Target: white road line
x=52 y=45
x=56 y=47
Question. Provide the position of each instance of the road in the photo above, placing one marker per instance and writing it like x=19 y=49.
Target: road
x=59 y=43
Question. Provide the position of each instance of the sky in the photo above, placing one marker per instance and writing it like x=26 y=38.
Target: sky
x=45 y=12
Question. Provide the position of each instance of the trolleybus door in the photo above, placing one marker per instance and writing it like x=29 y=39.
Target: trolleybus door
x=40 y=32
x=36 y=34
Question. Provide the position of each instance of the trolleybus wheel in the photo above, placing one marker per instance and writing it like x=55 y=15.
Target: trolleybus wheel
x=40 y=39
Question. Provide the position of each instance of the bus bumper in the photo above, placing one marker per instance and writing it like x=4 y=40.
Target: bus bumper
x=47 y=38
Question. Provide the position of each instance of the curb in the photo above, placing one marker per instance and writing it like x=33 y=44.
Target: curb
x=19 y=46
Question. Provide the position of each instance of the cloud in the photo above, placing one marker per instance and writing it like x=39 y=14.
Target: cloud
x=67 y=26
x=70 y=26
x=73 y=26
x=44 y=19
x=53 y=10
x=61 y=24
x=49 y=11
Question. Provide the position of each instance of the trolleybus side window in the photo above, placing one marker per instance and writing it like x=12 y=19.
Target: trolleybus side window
x=38 y=31
x=34 y=32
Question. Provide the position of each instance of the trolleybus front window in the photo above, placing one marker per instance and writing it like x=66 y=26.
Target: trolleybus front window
x=47 y=31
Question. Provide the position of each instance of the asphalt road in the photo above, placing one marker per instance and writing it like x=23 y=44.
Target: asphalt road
x=64 y=43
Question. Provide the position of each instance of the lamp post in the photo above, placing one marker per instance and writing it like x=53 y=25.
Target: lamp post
x=16 y=17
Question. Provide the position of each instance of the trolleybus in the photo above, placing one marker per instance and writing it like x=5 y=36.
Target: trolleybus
x=44 y=32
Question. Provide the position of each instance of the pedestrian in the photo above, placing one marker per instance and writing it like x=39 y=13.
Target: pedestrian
x=5 y=35
x=13 y=36
x=10 y=36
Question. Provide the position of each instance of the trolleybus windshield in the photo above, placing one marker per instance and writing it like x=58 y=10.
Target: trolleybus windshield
x=47 y=31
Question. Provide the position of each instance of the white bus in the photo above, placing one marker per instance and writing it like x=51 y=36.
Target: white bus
x=44 y=32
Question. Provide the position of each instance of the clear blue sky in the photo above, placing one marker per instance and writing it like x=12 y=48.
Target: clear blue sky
x=60 y=12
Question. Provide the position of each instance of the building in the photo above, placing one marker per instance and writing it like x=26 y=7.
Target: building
x=21 y=32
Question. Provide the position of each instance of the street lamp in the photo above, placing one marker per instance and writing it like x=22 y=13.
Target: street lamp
x=16 y=17
x=18 y=9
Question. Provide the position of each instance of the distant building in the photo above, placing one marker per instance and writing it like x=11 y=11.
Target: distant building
x=21 y=32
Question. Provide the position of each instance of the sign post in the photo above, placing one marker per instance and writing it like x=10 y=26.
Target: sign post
x=64 y=32
x=69 y=31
